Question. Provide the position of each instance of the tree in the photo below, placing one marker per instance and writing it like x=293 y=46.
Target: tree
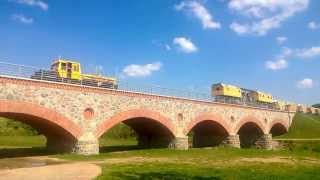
x=316 y=106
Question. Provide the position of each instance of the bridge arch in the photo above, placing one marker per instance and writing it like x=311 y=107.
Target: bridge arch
x=207 y=130
x=278 y=127
x=151 y=127
x=61 y=132
x=250 y=130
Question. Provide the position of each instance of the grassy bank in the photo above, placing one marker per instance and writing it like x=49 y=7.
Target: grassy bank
x=214 y=171
x=304 y=126
x=22 y=141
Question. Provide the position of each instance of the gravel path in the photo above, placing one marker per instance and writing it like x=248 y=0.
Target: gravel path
x=69 y=171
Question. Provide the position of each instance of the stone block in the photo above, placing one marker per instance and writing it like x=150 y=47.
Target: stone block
x=264 y=142
x=232 y=141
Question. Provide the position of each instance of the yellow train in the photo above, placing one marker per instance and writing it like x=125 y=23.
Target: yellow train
x=63 y=70
x=236 y=95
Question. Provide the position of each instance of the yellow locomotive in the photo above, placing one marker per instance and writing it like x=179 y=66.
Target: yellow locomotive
x=236 y=95
x=67 y=71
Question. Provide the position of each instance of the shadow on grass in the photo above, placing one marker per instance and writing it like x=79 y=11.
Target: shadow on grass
x=42 y=151
x=169 y=175
x=120 y=148
x=24 y=152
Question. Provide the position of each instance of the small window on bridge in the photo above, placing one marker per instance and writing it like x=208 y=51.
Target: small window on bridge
x=88 y=113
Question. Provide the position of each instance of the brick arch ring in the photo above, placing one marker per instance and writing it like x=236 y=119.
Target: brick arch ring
x=135 y=113
x=249 y=119
x=42 y=113
x=208 y=117
x=279 y=121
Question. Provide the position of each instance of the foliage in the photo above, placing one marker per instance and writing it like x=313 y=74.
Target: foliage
x=120 y=131
x=10 y=127
x=316 y=106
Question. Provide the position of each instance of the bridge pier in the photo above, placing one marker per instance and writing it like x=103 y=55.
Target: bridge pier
x=264 y=142
x=180 y=143
x=232 y=141
x=87 y=144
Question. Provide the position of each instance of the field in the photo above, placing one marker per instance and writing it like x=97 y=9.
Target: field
x=120 y=158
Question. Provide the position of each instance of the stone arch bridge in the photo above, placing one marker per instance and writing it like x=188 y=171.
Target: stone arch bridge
x=73 y=117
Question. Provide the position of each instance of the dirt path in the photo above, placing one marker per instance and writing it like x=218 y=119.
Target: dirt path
x=65 y=171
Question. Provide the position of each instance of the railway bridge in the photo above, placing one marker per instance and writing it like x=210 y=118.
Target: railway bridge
x=73 y=117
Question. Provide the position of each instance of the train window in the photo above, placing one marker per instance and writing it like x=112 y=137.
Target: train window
x=54 y=67
x=76 y=68
x=63 y=66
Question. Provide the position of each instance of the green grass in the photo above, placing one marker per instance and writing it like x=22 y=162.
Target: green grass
x=180 y=171
x=22 y=141
x=215 y=163
x=304 y=126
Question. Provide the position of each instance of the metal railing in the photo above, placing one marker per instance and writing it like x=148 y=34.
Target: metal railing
x=29 y=72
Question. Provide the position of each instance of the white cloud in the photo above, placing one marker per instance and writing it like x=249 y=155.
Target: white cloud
x=200 y=12
x=313 y=25
x=281 y=39
x=239 y=28
x=280 y=61
x=308 y=53
x=277 y=65
x=37 y=3
x=306 y=83
x=23 y=19
x=264 y=15
x=135 y=70
x=185 y=45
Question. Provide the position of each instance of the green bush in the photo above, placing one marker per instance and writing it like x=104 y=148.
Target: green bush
x=316 y=106
x=10 y=127
x=120 y=131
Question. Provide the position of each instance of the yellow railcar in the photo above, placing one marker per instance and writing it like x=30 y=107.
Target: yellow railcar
x=261 y=97
x=63 y=70
x=221 y=89
x=291 y=107
x=301 y=108
x=280 y=105
x=67 y=69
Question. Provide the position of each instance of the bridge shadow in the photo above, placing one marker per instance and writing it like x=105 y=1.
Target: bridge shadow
x=169 y=175
x=119 y=148
x=122 y=148
x=24 y=152
x=43 y=151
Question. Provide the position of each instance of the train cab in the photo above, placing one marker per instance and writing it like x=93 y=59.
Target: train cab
x=221 y=89
x=67 y=69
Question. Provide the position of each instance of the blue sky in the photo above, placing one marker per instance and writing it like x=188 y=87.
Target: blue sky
x=268 y=45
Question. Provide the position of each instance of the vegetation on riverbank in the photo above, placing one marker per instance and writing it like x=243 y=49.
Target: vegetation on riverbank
x=304 y=126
